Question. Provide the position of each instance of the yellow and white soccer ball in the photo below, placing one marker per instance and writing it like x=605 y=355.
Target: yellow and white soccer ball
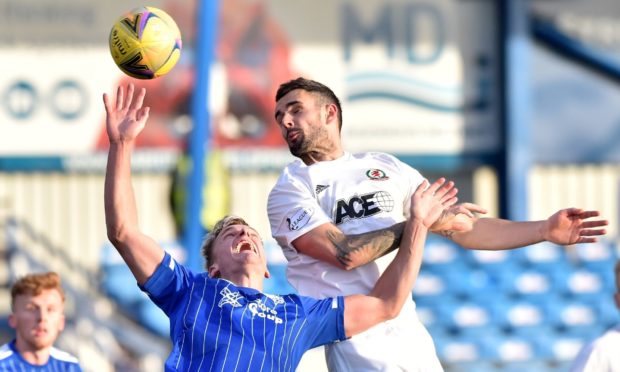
x=145 y=43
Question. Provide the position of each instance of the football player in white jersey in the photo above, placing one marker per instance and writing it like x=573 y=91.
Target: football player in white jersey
x=335 y=213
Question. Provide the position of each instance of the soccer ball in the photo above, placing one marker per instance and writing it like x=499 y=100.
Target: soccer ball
x=145 y=43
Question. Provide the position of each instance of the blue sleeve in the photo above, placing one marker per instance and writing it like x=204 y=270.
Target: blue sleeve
x=325 y=320
x=168 y=284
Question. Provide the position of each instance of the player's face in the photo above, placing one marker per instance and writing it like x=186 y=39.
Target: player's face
x=38 y=319
x=302 y=122
x=238 y=246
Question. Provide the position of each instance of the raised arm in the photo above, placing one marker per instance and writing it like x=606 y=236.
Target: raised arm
x=125 y=119
x=394 y=286
x=565 y=227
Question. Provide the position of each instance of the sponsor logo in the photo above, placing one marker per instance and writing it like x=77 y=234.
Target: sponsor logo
x=363 y=206
x=320 y=188
x=259 y=309
x=377 y=175
x=299 y=219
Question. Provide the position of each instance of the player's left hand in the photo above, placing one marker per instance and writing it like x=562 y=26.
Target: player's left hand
x=457 y=218
x=569 y=226
x=125 y=116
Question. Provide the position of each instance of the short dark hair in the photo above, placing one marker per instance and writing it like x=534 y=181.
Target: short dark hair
x=313 y=87
x=35 y=284
x=207 y=243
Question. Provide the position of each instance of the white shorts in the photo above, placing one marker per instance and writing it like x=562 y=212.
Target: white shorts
x=401 y=344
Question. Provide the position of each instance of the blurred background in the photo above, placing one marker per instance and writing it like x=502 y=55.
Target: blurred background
x=515 y=100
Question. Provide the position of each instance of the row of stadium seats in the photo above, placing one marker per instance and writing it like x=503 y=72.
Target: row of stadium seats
x=441 y=253
x=522 y=283
x=522 y=310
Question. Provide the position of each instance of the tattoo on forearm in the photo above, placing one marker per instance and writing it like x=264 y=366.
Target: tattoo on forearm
x=365 y=247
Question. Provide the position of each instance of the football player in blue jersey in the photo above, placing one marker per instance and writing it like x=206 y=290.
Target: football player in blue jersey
x=37 y=305
x=221 y=320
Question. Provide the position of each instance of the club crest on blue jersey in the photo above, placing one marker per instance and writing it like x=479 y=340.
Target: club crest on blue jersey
x=377 y=175
x=229 y=298
x=362 y=206
x=299 y=219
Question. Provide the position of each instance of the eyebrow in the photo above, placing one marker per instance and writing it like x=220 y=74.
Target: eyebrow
x=227 y=229
x=279 y=113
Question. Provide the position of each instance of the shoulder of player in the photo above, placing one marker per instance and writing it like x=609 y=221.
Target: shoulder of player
x=63 y=356
x=378 y=156
x=5 y=351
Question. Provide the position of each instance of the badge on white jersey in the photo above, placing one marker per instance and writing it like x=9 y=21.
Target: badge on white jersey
x=300 y=218
x=377 y=175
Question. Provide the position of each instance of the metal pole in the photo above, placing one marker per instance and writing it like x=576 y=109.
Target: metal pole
x=515 y=108
x=206 y=21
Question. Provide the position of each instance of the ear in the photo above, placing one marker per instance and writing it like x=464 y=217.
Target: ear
x=331 y=113
x=267 y=274
x=214 y=271
x=12 y=321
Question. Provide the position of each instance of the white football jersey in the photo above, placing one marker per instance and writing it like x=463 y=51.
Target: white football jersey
x=358 y=193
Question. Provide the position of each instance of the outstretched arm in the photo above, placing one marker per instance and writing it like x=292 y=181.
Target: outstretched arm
x=394 y=286
x=329 y=244
x=125 y=119
x=565 y=227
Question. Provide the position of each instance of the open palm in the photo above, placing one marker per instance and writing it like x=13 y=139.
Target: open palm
x=573 y=225
x=125 y=118
x=429 y=202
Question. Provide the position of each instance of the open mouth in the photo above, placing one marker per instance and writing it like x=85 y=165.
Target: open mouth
x=245 y=245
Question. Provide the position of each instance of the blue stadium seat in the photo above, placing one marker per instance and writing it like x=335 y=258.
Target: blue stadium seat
x=430 y=287
x=468 y=318
x=541 y=255
x=528 y=284
x=490 y=260
x=473 y=283
x=513 y=349
x=469 y=366
x=457 y=350
x=567 y=314
x=440 y=252
x=583 y=284
x=565 y=347
x=601 y=255
x=536 y=365
x=521 y=318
